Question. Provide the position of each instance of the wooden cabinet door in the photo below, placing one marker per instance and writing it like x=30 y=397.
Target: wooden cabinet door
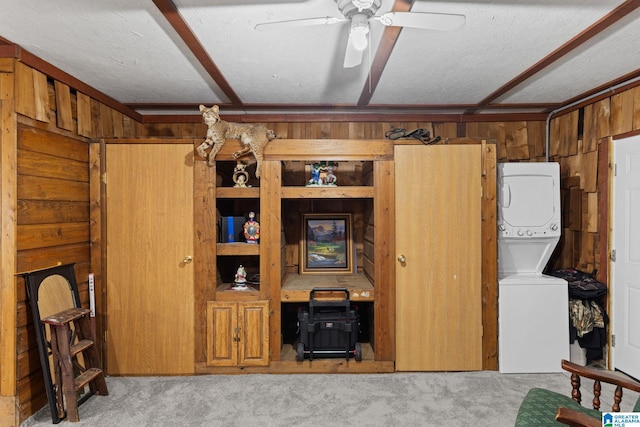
x=238 y=333
x=253 y=324
x=438 y=271
x=222 y=333
x=150 y=292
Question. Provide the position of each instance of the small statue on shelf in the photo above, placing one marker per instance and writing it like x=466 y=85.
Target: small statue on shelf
x=240 y=175
x=330 y=178
x=322 y=174
x=240 y=279
x=315 y=175
x=251 y=229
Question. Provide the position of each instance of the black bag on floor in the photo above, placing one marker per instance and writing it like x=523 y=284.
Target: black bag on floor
x=581 y=285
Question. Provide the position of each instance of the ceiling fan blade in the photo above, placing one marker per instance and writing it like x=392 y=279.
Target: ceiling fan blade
x=424 y=20
x=327 y=20
x=352 y=56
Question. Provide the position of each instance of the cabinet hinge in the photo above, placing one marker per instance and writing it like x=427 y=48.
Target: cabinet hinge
x=613 y=255
x=613 y=340
x=615 y=169
x=105 y=336
x=104 y=178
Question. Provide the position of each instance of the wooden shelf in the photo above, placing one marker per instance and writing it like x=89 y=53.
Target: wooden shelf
x=237 y=193
x=237 y=248
x=225 y=292
x=355 y=192
x=296 y=287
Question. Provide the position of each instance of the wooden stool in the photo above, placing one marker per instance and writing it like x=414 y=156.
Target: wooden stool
x=67 y=386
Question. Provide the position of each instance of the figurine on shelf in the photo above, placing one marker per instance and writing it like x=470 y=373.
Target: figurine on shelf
x=240 y=175
x=241 y=278
x=315 y=175
x=330 y=178
x=252 y=229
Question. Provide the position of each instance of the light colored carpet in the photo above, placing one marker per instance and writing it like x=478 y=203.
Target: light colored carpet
x=462 y=399
x=485 y=398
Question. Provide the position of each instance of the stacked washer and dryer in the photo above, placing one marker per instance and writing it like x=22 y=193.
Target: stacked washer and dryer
x=533 y=307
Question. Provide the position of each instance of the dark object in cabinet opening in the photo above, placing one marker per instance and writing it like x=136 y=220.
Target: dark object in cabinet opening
x=329 y=328
x=231 y=229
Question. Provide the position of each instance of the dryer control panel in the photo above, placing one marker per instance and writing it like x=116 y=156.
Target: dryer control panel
x=529 y=200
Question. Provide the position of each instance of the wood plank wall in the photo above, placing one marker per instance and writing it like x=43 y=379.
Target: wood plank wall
x=53 y=131
x=55 y=125
x=580 y=142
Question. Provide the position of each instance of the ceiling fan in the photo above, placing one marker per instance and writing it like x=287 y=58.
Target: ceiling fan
x=359 y=13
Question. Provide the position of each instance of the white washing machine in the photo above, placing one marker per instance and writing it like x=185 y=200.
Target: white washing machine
x=533 y=308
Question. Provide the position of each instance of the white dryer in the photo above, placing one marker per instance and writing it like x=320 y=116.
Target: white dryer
x=533 y=307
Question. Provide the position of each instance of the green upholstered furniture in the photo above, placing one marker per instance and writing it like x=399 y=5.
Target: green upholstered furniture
x=542 y=408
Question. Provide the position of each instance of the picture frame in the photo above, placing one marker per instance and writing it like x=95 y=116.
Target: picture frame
x=326 y=244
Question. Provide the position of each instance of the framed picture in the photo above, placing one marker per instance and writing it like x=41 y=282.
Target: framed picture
x=326 y=244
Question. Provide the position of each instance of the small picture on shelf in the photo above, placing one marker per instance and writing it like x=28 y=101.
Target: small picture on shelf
x=325 y=246
x=322 y=174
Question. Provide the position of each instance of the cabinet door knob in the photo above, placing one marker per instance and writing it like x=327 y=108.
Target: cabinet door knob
x=402 y=259
x=187 y=259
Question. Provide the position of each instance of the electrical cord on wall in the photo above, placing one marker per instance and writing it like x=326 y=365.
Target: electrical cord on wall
x=420 y=134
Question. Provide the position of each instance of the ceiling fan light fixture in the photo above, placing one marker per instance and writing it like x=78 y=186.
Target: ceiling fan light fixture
x=362 y=4
x=359 y=31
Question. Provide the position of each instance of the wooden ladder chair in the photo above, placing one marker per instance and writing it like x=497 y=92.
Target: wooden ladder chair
x=65 y=350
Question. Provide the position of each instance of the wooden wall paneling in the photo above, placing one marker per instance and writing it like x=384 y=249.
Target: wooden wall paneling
x=589 y=171
x=445 y=130
x=35 y=187
x=34 y=259
x=33 y=139
x=340 y=130
x=603 y=115
x=636 y=107
x=568 y=134
x=45 y=165
x=84 y=115
x=96 y=122
x=586 y=256
x=97 y=237
x=489 y=257
x=356 y=130
x=205 y=237
x=118 y=125
x=48 y=235
x=554 y=137
x=592 y=213
x=41 y=96
x=25 y=102
x=8 y=262
x=603 y=210
x=536 y=138
x=31 y=395
x=622 y=112
x=516 y=140
x=575 y=209
x=106 y=121
x=64 y=114
x=385 y=265
x=589 y=134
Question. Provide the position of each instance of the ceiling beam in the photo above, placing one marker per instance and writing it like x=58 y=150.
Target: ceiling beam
x=171 y=13
x=602 y=24
x=389 y=38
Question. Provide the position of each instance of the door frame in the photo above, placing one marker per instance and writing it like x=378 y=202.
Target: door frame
x=611 y=229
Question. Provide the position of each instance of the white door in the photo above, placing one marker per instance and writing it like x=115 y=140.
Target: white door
x=626 y=268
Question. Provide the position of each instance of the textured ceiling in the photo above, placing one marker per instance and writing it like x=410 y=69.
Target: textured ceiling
x=168 y=56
